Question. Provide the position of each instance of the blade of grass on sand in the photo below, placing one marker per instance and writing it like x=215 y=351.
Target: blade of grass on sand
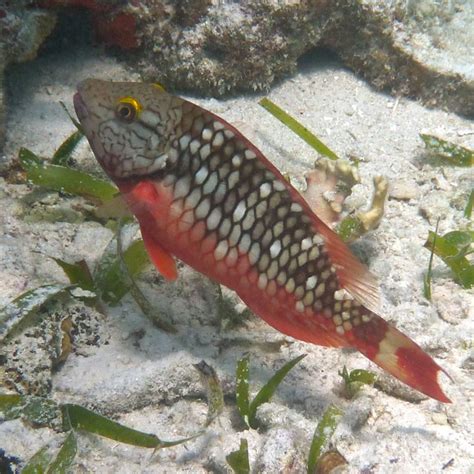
x=323 y=432
x=73 y=120
x=427 y=276
x=24 y=312
x=452 y=248
x=38 y=462
x=239 y=460
x=78 y=417
x=469 y=205
x=454 y=154
x=355 y=379
x=8 y=401
x=299 y=129
x=267 y=391
x=214 y=394
x=65 y=456
x=63 y=153
x=63 y=179
x=108 y=276
x=242 y=388
x=78 y=273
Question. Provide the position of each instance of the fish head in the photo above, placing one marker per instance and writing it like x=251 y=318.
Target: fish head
x=128 y=125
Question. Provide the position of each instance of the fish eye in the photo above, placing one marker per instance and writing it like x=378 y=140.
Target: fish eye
x=127 y=109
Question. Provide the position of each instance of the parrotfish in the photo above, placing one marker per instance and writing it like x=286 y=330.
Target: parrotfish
x=203 y=193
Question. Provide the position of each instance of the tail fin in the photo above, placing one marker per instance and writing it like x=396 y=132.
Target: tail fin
x=399 y=355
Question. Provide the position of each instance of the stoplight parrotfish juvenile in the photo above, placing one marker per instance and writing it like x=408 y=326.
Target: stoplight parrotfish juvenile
x=204 y=194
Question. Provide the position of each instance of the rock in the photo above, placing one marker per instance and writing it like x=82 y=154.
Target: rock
x=22 y=32
x=415 y=49
x=403 y=190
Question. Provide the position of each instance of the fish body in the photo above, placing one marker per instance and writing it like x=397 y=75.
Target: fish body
x=204 y=194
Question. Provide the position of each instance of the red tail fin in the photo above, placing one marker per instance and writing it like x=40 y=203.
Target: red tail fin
x=399 y=355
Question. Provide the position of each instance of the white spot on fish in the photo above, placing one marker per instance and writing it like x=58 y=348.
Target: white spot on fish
x=217 y=125
x=290 y=285
x=206 y=134
x=318 y=240
x=194 y=146
x=295 y=207
x=192 y=200
x=228 y=133
x=339 y=295
x=221 y=250
x=302 y=258
x=275 y=248
x=265 y=190
x=181 y=187
x=262 y=281
x=231 y=258
x=205 y=151
x=320 y=290
x=239 y=211
x=254 y=253
x=224 y=228
x=279 y=185
x=236 y=160
x=306 y=243
x=311 y=282
x=173 y=155
x=284 y=257
x=235 y=235
x=233 y=179
x=272 y=270
x=214 y=219
x=201 y=175
x=308 y=298
x=281 y=278
x=211 y=184
x=299 y=306
x=184 y=141
x=250 y=155
x=218 y=139
x=203 y=209
x=244 y=243
x=248 y=221
x=278 y=229
x=325 y=274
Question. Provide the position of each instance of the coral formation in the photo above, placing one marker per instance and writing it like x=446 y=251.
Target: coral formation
x=416 y=49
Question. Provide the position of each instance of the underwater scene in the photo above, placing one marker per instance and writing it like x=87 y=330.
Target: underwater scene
x=236 y=236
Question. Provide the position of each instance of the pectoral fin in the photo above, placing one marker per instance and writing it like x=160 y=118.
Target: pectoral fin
x=163 y=261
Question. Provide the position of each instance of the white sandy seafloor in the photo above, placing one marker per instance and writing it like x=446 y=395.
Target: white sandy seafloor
x=144 y=378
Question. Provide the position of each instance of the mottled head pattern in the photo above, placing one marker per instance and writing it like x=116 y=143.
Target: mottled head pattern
x=127 y=132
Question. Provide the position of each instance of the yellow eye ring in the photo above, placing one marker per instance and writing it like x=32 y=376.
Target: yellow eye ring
x=127 y=109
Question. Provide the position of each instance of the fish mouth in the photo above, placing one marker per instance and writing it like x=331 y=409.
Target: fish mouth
x=80 y=107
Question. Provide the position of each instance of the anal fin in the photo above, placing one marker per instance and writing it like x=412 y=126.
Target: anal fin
x=353 y=275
